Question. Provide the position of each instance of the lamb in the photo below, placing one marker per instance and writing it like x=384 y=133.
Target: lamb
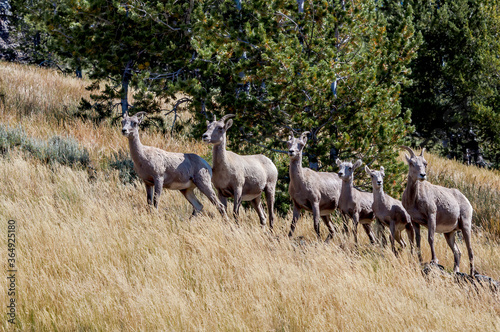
x=354 y=203
x=441 y=210
x=242 y=177
x=389 y=211
x=161 y=169
x=318 y=192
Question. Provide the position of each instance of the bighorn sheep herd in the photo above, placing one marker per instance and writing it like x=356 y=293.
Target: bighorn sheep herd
x=246 y=177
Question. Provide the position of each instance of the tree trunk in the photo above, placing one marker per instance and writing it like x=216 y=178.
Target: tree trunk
x=125 y=83
x=124 y=95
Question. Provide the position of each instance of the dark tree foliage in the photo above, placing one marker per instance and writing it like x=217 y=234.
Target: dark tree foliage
x=331 y=70
x=120 y=45
x=454 y=95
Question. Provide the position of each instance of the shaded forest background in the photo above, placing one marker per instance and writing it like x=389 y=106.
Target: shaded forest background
x=361 y=76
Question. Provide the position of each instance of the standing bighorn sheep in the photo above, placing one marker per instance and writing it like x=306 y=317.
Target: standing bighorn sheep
x=318 y=192
x=242 y=177
x=389 y=211
x=354 y=203
x=441 y=210
x=161 y=169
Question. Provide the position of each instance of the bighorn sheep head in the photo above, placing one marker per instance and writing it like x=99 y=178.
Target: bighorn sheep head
x=346 y=169
x=377 y=177
x=216 y=130
x=296 y=145
x=417 y=164
x=130 y=124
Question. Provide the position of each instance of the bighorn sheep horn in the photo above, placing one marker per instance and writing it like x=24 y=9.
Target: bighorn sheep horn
x=227 y=116
x=412 y=153
x=304 y=134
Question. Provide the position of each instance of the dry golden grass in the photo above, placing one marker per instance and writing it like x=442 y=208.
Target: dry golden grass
x=41 y=101
x=93 y=256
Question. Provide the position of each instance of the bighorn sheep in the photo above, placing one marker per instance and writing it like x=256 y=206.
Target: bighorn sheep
x=354 y=203
x=242 y=177
x=441 y=210
x=318 y=192
x=389 y=211
x=161 y=169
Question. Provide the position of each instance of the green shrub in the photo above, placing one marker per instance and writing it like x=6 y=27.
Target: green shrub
x=121 y=161
x=62 y=150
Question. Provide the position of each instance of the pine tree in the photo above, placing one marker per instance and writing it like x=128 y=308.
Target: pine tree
x=330 y=70
x=121 y=45
x=454 y=95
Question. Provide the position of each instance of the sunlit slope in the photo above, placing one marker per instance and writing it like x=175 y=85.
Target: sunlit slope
x=93 y=256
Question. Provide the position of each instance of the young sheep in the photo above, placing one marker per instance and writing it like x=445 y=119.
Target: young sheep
x=354 y=203
x=318 y=192
x=389 y=211
x=161 y=169
x=242 y=177
x=440 y=209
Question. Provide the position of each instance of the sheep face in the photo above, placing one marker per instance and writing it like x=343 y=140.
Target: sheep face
x=417 y=167
x=216 y=130
x=130 y=124
x=296 y=145
x=346 y=169
x=377 y=177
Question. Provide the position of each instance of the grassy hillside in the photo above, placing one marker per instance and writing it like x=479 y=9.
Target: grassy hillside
x=93 y=256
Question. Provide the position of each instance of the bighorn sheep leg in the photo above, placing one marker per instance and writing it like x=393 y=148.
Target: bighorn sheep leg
x=149 y=192
x=416 y=228
x=203 y=183
x=158 y=188
x=270 y=192
x=368 y=231
x=431 y=233
x=191 y=197
x=450 y=238
x=316 y=217
x=257 y=205
x=296 y=216
x=328 y=222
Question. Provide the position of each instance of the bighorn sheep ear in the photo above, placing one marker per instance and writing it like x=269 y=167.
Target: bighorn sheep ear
x=357 y=164
x=382 y=170
x=408 y=159
x=303 y=137
x=228 y=124
x=291 y=135
x=368 y=170
x=208 y=122
x=422 y=153
x=338 y=162
x=140 y=116
x=215 y=118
